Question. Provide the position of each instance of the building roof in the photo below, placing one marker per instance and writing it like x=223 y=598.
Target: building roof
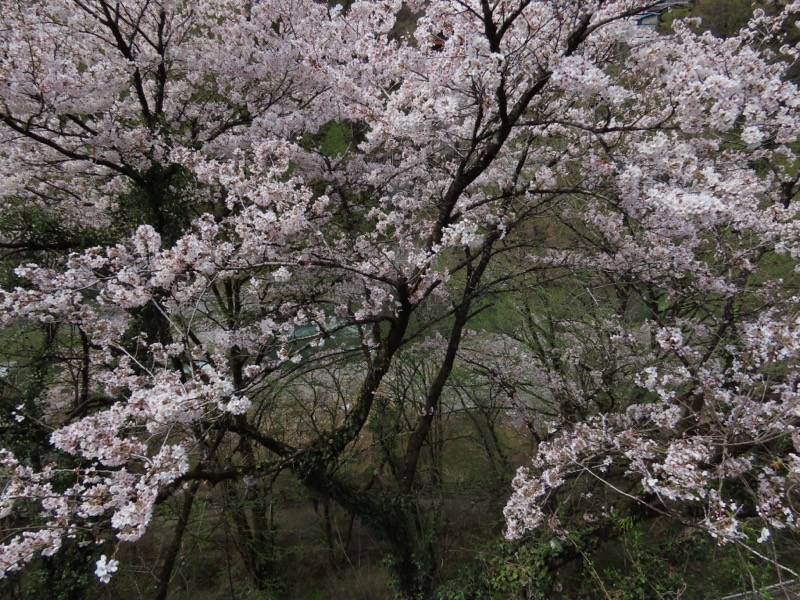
x=667 y=4
x=789 y=590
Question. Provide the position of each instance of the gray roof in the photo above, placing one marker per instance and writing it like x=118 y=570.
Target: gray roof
x=668 y=4
x=789 y=590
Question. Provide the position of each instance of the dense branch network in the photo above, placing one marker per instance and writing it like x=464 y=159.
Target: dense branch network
x=226 y=266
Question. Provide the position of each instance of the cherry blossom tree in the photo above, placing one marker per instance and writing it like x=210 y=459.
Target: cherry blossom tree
x=217 y=268
x=681 y=376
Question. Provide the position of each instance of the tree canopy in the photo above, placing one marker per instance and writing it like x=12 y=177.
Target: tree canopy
x=247 y=239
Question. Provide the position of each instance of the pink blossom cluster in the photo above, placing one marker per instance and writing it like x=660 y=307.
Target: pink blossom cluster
x=502 y=146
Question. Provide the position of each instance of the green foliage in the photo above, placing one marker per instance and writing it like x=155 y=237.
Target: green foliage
x=508 y=570
x=336 y=138
x=333 y=139
x=630 y=561
x=657 y=560
x=723 y=18
x=166 y=199
x=36 y=228
x=643 y=568
x=28 y=360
